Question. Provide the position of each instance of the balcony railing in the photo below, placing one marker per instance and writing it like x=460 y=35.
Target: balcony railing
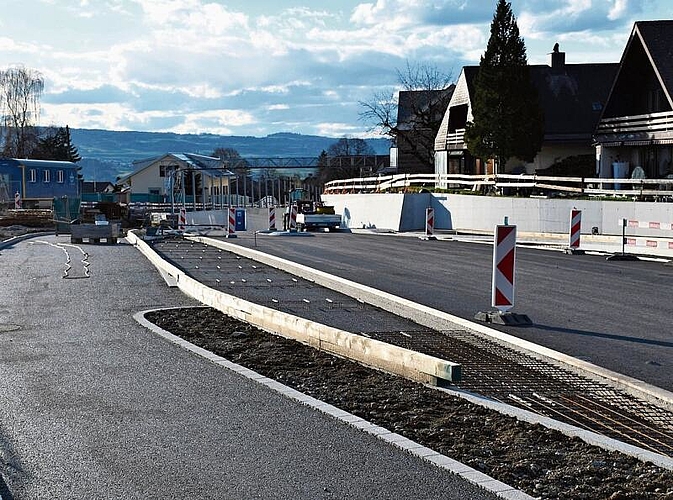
x=456 y=140
x=636 y=127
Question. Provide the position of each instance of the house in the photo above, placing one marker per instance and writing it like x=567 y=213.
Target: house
x=572 y=97
x=636 y=126
x=37 y=182
x=177 y=178
x=419 y=114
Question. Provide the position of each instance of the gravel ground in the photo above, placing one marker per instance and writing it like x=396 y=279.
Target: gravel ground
x=542 y=462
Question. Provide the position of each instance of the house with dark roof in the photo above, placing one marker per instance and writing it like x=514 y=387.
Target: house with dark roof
x=572 y=97
x=177 y=177
x=37 y=182
x=636 y=126
x=419 y=113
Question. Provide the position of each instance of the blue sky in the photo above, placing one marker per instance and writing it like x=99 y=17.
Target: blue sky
x=248 y=67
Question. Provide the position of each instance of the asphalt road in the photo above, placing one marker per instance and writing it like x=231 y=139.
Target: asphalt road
x=93 y=405
x=614 y=314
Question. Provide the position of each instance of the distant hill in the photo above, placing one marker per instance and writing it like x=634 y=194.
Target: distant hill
x=108 y=154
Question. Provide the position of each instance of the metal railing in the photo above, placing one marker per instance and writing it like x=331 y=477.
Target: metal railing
x=504 y=183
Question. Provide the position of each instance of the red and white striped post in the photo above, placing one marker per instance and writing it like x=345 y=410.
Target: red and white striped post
x=429 y=221
x=17 y=200
x=272 y=218
x=231 y=222
x=182 y=219
x=504 y=254
x=575 y=228
x=293 y=217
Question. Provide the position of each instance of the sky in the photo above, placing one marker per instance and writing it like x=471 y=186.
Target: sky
x=254 y=68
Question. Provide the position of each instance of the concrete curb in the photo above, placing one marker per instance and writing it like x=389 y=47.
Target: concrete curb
x=467 y=473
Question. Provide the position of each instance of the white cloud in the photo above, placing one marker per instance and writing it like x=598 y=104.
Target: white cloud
x=618 y=10
x=210 y=65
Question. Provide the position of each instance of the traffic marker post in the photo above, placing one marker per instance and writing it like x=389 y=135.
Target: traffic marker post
x=231 y=222
x=504 y=254
x=574 y=233
x=17 y=200
x=502 y=283
x=429 y=225
x=293 y=218
x=182 y=219
x=272 y=218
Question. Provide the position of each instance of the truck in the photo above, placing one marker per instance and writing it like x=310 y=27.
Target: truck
x=311 y=214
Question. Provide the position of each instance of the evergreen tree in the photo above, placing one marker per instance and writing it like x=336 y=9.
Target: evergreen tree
x=71 y=151
x=57 y=145
x=508 y=121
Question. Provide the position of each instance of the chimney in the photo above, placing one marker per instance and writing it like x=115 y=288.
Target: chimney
x=558 y=59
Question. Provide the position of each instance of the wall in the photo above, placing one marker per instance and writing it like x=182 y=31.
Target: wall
x=406 y=212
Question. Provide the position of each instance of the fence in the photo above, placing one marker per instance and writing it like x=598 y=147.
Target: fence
x=532 y=184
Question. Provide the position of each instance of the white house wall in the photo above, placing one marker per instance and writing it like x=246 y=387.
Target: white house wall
x=459 y=97
x=142 y=181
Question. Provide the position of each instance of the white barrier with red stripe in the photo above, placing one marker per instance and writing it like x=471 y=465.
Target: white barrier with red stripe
x=272 y=218
x=182 y=219
x=231 y=222
x=648 y=243
x=664 y=226
x=429 y=221
x=575 y=228
x=504 y=254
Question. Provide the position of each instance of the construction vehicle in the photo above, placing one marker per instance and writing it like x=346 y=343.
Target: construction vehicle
x=310 y=214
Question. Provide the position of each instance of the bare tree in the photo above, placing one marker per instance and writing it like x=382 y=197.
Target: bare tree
x=20 y=92
x=412 y=114
x=343 y=159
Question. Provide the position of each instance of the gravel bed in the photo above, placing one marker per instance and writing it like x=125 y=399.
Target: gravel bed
x=542 y=462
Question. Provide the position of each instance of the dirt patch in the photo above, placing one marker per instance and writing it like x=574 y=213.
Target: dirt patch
x=542 y=462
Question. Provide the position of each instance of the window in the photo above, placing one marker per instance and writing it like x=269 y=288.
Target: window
x=32 y=175
x=47 y=176
x=60 y=177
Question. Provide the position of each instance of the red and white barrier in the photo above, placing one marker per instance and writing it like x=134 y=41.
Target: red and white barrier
x=648 y=243
x=17 y=200
x=293 y=217
x=272 y=218
x=664 y=226
x=182 y=219
x=429 y=221
x=575 y=228
x=504 y=253
x=231 y=222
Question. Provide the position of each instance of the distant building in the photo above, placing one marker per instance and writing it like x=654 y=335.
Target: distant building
x=572 y=97
x=636 y=126
x=419 y=114
x=177 y=177
x=37 y=182
x=90 y=187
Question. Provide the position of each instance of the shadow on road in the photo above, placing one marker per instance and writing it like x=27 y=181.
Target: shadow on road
x=573 y=331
